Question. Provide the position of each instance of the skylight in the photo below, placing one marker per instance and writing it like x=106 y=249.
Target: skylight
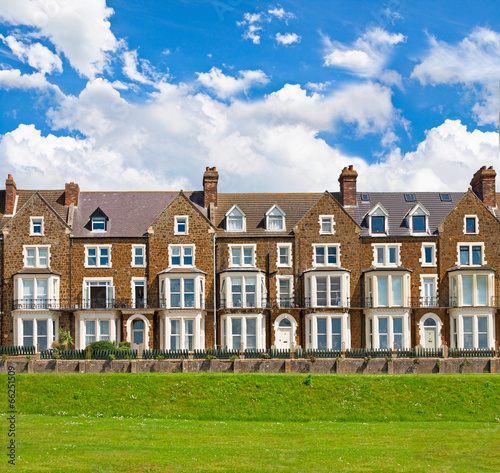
x=365 y=197
x=445 y=197
x=410 y=197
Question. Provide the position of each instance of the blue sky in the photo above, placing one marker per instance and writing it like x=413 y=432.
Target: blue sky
x=127 y=95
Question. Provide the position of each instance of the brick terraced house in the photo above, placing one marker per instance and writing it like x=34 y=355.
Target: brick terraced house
x=190 y=270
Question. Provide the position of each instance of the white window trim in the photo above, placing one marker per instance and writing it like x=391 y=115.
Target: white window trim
x=52 y=332
x=490 y=287
x=326 y=246
x=405 y=289
x=470 y=245
x=242 y=265
x=476 y=225
x=439 y=328
x=283 y=216
x=85 y=285
x=177 y=217
x=235 y=208
x=182 y=247
x=260 y=330
x=99 y=230
x=199 y=296
x=37 y=258
x=143 y=255
x=52 y=294
x=434 y=256
x=320 y=220
x=284 y=245
x=311 y=287
x=132 y=287
x=98 y=256
x=292 y=291
x=312 y=329
x=386 y=247
x=375 y=315
x=418 y=211
x=378 y=211
x=227 y=293
x=198 y=335
x=475 y=312
x=32 y=233
x=434 y=277
x=82 y=317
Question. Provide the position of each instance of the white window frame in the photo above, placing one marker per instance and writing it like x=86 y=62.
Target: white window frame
x=312 y=326
x=405 y=288
x=232 y=214
x=227 y=335
x=278 y=261
x=423 y=297
x=52 y=327
x=432 y=264
x=37 y=256
x=490 y=287
x=386 y=247
x=418 y=211
x=133 y=284
x=32 y=226
x=182 y=256
x=226 y=292
x=290 y=304
x=198 y=333
x=99 y=230
x=86 y=285
x=53 y=284
x=373 y=339
x=331 y=218
x=98 y=249
x=325 y=246
x=476 y=225
x=83 y=316
x=275 y=211
x=459 y=314
x=176 y=225
x=378 y=211
x=470 y=245
x=133 y=250
x=311 y=287
x=243 y=264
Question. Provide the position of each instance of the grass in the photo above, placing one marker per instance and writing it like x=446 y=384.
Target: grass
x=256 y=423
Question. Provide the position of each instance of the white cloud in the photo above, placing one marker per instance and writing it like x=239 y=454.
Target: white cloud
x=281 y=14
x=13 y=79
x=78 y=28
x=252 y=33
x=227 y=86
x=367 y=56
x=474 y=61
x=37 y=55
x=34 y=159
x=445 y=161
x=288 y=38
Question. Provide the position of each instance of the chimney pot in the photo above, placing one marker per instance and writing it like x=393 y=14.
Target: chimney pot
x=347 y=180
x=483 y=185
x=210 y=181
x=10 y=195
x=71 y=194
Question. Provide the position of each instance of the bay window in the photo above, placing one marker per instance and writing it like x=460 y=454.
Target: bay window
x=243 y=290
x=388 y=330
x=386 y=289
x=328 y=331
x=246 y=330
x=37 y=329
x=471 y=288
x=178 y=291
x=36 y=292
x=472 y=328
x=327 y=289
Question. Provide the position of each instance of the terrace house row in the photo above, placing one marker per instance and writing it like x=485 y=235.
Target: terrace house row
x=189 y=270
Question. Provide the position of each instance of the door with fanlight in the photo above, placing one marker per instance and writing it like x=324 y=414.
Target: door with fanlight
x=430 y=334
x=284 y=335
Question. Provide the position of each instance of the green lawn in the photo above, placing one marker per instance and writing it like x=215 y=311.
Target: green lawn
x=256 y=423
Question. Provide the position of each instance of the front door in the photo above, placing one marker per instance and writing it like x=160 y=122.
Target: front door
x=137 y=334
x=284 y=339
x=430 y=337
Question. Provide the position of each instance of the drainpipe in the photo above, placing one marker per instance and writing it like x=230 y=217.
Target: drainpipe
x=1 y=292
x=361 y=295
x=268 y=285
x=70 y=281
x=215 y=291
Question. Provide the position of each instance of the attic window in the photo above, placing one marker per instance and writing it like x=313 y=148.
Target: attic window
x=365 y=197
x=410 y=197
x=235 y=220
x=445 y=197
x=275 y=219
x=98 y=224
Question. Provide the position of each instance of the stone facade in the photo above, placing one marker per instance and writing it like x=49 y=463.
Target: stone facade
x=324 y=282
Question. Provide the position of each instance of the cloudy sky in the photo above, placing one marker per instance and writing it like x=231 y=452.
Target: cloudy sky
x=128 y=95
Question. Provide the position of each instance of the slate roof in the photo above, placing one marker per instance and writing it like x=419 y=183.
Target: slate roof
x=397 y=208
x=129 y=213
x=255 y=206
x=55 y=198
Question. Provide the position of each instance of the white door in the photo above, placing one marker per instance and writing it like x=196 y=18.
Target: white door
x=284 y=338
x=430 y=337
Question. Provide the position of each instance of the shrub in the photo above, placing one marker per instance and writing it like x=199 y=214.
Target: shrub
x=308 y=380
x=4 y=356
x=438 y=364
x=367 y=359
x=234 y=357
x=312 y=359
x=211 y=357
x=124 y=346
x=111 y=357
x=160 y=358
x=264 y=355
x=29 y=357
x=416 y=361
x=101 y=345
x=65 y=339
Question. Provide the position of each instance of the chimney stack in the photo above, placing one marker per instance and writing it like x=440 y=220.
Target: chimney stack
x=347 y=180
x=483 y=185
x=210 y=180
x=10 y=195
x=71 y=194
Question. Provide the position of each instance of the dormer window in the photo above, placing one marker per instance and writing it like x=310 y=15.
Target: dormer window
x=377 y=220
x=275 y=219
x=417 y=219
x=235 y=220
x=98 y=221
